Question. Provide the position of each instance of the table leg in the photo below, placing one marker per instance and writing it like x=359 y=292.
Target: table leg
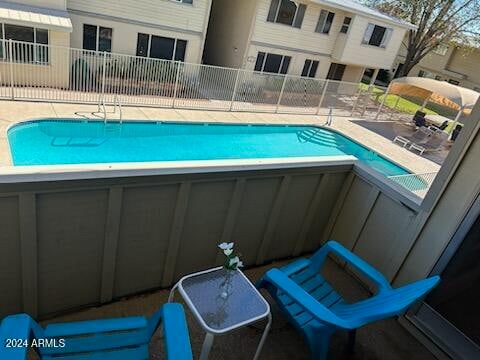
x=264 y=337
x=207 y=345
x=172 y=293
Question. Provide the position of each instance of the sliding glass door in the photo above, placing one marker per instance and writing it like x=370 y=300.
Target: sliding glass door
x=450 y=315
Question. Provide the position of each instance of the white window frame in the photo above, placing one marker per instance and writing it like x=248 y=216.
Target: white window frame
x=97 y=36
x=281 y=63
x=297 y=6
x=310 y=68
x=324 y=22
x=174 y=47
x=346 y=25
x=387 y=35
x=35 y=61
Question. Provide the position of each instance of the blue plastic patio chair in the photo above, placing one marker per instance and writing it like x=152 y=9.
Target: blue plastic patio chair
x=317 y=310
x=118 y=338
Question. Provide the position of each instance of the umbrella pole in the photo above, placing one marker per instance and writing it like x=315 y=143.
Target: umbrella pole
x=457 y=118
x=383 y=101
x=425 y=103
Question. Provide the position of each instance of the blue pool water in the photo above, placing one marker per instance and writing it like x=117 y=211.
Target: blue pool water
x=49 y=142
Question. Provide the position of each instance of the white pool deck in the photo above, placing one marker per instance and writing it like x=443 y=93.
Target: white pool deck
x=12 y=112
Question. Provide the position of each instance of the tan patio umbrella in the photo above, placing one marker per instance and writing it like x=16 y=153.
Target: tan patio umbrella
x=444 y=93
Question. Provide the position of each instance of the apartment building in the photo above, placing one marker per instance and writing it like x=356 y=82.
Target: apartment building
x=322 y=39
x=164 y=29
x=36 y=24
x=455 y=63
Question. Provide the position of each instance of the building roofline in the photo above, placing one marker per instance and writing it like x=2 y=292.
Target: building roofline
x=355 y=7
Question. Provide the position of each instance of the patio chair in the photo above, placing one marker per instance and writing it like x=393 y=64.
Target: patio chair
x=317 y=310
x=118 y=338
x=434 y=143
x=421 y=134
x=456 y=132
x=419 y=118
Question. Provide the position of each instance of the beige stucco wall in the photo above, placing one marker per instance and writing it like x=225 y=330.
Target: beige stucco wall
x=55 y=73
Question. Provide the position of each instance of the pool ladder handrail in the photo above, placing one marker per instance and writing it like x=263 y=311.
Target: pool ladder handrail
x=116 y=103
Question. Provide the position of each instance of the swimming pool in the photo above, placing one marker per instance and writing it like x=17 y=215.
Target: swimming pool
x=53 y=142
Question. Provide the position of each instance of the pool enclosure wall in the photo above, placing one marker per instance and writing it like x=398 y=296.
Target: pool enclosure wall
x=70 y=243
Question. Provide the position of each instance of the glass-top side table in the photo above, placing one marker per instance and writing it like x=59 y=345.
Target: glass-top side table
x=221 y=301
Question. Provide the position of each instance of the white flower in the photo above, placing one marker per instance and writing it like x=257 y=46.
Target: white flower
x=234 y=261
x=228 y=252
x=240 y=264
x=226 y=246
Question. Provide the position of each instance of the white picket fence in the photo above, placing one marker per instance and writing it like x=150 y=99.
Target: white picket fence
x=61 y=74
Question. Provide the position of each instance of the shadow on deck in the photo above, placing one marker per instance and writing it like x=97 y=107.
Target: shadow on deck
x=382 y=340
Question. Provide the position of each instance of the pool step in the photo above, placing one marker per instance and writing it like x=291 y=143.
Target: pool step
x=318 y=136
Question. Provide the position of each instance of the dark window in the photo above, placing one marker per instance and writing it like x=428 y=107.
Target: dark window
x=346 y=24
x=185 y=1
x=89 y=37
x=377 y=35
x=105 y=39
x=27 y=49
x=421 y=73
x=259 y=62
x=19 y=33
x=310 y=68
x=272 y=12
x=336 y=71
x=180 y=50
x=272 y=63
x=297 y=22
x=438 y=77
x=161 y=47
x=285 y=64
x=325 y=21
x=454 y=82
x=286 y=12
x=97 y=38
x=41 y=38
x=142 y=44
x=306 y=67
x=2 y=52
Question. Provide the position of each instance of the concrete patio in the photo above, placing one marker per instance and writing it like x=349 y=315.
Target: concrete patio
x=382 y=340
x=12 y=112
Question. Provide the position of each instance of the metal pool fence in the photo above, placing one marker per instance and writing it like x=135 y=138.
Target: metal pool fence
x=416 y=183
x=52 y=73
